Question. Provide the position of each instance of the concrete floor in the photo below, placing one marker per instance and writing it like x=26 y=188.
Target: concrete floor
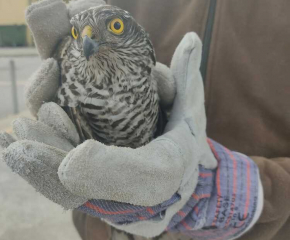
x=27 y=215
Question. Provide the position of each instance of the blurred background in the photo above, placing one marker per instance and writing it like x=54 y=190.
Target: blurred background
x=24 y=214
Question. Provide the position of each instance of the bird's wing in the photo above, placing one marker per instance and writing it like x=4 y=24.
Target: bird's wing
x=74 y=113
x=80 y=122
x=161 y=123
x=61 y=49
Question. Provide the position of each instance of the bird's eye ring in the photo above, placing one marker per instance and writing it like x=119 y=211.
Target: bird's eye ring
x=74 y=33
x=116 y=26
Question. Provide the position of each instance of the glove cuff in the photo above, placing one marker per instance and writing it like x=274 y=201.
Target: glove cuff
x=226 y=203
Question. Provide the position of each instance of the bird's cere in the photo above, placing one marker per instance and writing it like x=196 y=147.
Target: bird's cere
x=88 y=31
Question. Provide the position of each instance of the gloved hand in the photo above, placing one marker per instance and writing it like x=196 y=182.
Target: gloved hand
x=221 y=201
x=161 y=175
x=38 y=151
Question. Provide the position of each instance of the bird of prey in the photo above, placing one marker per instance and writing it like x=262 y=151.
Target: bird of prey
x=107 y=87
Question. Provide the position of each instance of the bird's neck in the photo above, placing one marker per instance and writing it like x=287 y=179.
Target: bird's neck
x=113 y=69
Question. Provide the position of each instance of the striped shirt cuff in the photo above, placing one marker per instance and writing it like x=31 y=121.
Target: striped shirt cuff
x=235 y=202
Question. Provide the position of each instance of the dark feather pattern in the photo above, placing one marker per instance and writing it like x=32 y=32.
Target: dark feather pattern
x=112 y=97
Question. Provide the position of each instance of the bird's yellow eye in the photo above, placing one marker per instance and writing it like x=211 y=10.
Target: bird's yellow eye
x=116 y=26
x=74 y=33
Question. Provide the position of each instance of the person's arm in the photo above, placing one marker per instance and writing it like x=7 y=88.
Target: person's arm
x=275 y=178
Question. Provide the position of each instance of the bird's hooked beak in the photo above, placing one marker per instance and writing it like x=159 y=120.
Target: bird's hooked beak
x=89 y=45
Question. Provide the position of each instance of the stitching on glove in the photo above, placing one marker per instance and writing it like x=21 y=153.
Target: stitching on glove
x=190 y=124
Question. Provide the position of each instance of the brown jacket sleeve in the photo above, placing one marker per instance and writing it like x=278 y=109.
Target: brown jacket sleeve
x=274 y=222
x=247 y=98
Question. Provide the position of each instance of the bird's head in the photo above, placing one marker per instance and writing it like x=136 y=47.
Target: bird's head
x=104 y=29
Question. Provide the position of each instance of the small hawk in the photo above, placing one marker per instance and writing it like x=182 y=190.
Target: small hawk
x=107 y=87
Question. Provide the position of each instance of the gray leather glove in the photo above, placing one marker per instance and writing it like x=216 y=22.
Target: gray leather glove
x=38 y=151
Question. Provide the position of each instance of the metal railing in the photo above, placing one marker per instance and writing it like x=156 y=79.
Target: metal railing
x=14 y=86
x=15 y=72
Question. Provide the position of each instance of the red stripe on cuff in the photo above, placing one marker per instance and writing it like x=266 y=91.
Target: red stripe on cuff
x=185 y=225
x=248 y=187
x=100 y=210
x=204 y=196
x=141 y=218
x=205 y=175
x=234 y=186
x=196 y=210
x=150 y=210
x=182 y=214
x=218 y=181
x=196 y=197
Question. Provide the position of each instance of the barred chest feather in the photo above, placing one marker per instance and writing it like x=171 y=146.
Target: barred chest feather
x=114 y=92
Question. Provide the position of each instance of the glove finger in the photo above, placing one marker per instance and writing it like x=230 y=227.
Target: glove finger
x=43 y=85
x=5 y=140
x=126 y=175
x=189 y=102
x=27 y=129
x=37 y=163
x=165 y=84
x=49 y=23
x=54 y=116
